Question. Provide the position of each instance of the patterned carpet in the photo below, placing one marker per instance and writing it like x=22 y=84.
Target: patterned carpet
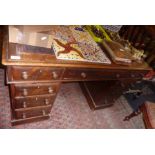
x=71 y=111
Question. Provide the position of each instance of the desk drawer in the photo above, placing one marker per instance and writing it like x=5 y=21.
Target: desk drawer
x=18 y=73
x=85 y=74
x=33 y=112
x=26 y=102
x=90 y=74
x=29 y=120
x=20 y=90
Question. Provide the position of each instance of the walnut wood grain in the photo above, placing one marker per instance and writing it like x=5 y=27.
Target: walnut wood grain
x=31 y=101
x=72 y=74
x=33 y=112
x=21 y=90
x=101 y=94
x=38 y=74
x=17 y=74
x=28 y=120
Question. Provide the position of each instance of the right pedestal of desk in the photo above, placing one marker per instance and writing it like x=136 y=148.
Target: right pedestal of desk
x=101 y=94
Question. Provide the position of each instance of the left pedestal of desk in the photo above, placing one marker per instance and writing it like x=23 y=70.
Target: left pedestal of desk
x=33 y=91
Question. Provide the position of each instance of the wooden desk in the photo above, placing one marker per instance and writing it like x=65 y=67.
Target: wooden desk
x=35 y=76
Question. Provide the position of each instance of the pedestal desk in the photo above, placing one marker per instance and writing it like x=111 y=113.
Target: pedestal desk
x=34 y=79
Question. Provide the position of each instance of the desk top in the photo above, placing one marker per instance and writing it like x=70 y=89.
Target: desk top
x=41 y=56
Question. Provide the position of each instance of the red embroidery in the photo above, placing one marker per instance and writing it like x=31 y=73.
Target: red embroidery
x=67 y=48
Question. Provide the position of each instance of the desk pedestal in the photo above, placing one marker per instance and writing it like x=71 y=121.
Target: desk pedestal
x=101 y=94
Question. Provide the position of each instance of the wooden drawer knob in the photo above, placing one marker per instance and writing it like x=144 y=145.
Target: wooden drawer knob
x=44 y=113
x=55 y=75
x=50 y=90
x=142 y=74
x=24 y=104
x=46 y=101
x=122 y=85
x=105 y=101
x=24 y=75
x=24 y=115
x=83 y=75
x=132 y=75
x=25 y=92
x=117 y=75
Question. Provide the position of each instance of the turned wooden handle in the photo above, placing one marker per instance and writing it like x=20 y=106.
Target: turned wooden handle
x=132 y=75
x=117 y=75
x=50 y=90
x=44 y=112
x=83 y=75
x=24 y=104
x=24 y=115
x=25 y=92
x=46 y=101
x=55 y=75
x=24 y=75
x=122 y=85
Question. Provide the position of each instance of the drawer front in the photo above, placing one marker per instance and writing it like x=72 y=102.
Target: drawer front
x=137 y=74
x=23 y=114
x=29 y=120
x=18 y=73
x=26 y=102
x=90 y=74
x=21 y=90
x=85 y=74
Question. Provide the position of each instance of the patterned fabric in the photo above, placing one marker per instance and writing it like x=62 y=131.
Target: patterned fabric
x=81 y=48
x=71 y=110
x=114 y=28
x=148 y=94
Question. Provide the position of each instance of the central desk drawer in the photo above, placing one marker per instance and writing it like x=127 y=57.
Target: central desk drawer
x=26 y=102
x=17 y=74
x=84 y=74
x=91 y=74
x=20 y=90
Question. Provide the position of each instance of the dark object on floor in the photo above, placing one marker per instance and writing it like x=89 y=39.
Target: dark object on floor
x=133 y=114
x=148 y=110
x=135 y=100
